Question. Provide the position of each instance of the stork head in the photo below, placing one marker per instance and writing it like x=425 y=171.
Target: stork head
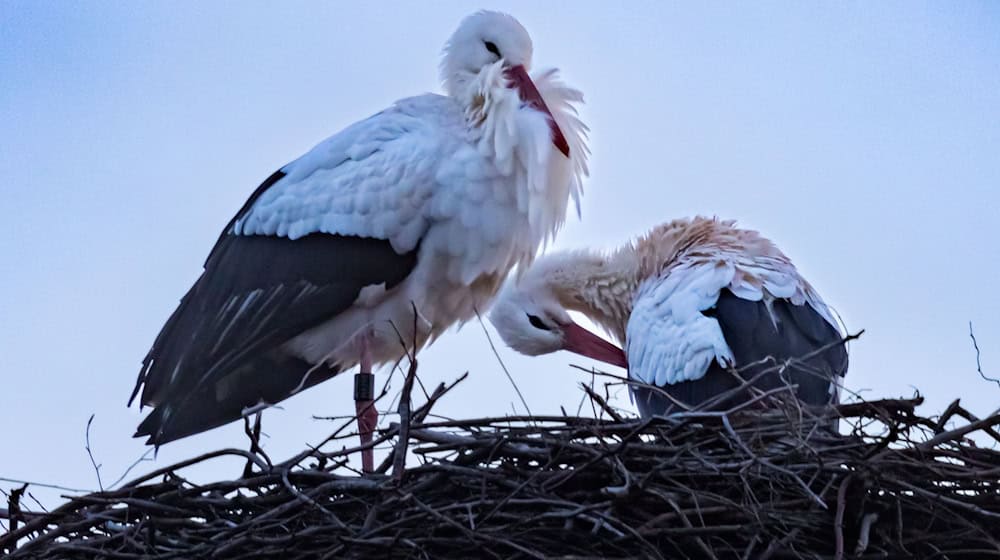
x=490 y=50
x=483 y=41
x=531 y=320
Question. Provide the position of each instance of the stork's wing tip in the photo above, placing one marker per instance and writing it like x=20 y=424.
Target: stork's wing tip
x=150 y=440
x=148 y=431
x=139 y=384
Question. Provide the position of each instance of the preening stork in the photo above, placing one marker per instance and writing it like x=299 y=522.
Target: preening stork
x=426 y=205
x=690 y=300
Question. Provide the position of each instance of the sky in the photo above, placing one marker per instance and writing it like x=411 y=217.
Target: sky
x=863 y=138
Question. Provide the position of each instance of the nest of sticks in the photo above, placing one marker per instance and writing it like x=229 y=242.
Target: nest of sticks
x=750 y=482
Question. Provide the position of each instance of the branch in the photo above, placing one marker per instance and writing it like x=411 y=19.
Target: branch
x=420 y=414
x=399 y=460
x=97 y=468
x=979 y=366
x=502 y=365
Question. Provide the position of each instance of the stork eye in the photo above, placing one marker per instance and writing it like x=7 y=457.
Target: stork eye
x=492 y=47
x=537 y=323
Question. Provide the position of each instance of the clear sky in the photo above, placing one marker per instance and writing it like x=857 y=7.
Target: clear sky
x=864 y=138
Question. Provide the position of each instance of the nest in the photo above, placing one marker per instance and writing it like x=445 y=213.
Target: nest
x=745 y=483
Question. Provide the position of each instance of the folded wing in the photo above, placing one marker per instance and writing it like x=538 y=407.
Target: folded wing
x=689 y=328
x=347 y=215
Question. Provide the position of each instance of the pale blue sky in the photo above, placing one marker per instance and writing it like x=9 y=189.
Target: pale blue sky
x=863 y=138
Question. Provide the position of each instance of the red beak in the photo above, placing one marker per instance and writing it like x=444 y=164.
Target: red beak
x=581 y=341
x=529 y=94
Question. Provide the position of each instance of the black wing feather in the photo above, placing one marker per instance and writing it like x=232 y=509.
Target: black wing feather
x=269 y=377
x=750 y=333
x=256 y=293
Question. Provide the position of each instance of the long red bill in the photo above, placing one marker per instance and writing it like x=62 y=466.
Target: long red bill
x=529 y=94
x=581 y=341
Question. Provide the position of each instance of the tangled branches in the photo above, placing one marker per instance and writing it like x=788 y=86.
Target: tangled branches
x=746 y=483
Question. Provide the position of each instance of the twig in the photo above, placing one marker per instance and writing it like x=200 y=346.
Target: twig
x=838 y=520
x=502 y=365
x=253 y=434
x=5 y=513
x=421 y=413
x=45 y=485
x=142 y=459
x=14 y=506
x=865 y=533
x=602 y=403
x=97 y=468
x=979 y=366
x=403 y=440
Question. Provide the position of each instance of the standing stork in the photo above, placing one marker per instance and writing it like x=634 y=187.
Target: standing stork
x=690 y=300
x=385 y=234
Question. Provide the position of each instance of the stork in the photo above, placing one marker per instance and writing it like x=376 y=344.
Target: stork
x=374 y=242
x=689 y=300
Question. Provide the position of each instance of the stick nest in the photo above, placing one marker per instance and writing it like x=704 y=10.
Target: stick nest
x=748 y=483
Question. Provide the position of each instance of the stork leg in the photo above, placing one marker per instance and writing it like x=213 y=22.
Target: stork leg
x=364 y=404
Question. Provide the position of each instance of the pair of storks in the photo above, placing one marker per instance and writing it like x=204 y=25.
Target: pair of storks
x=383 y=236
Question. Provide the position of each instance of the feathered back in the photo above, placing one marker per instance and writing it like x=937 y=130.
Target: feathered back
x=759 y=271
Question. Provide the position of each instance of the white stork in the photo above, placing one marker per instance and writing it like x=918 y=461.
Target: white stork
x=689 y=300
x=427 y=205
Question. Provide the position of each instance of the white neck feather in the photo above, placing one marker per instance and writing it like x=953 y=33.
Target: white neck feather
x=520 y=141
x=601 y=286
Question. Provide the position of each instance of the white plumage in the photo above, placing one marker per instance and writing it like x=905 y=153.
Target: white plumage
x=667 y=339
x=692 y=297
x=433 y=181
x=426 y=205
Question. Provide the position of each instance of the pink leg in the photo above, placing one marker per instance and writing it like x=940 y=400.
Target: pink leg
x=364 y=405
